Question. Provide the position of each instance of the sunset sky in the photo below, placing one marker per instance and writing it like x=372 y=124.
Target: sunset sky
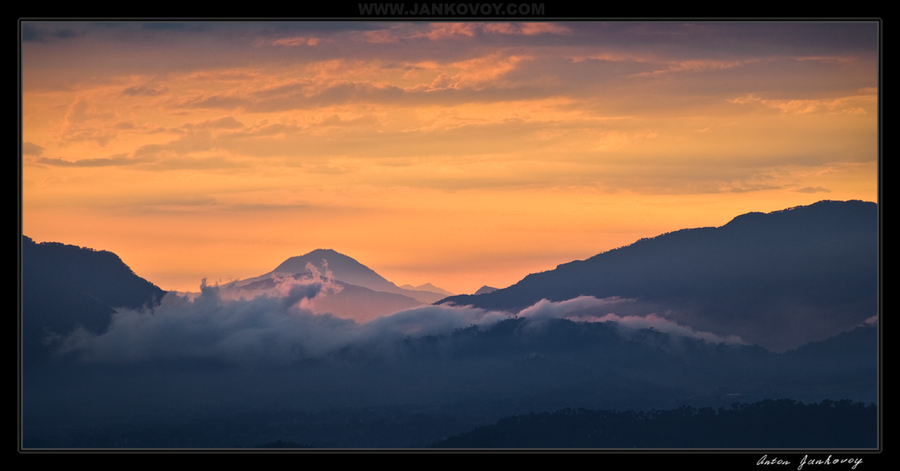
x=460 y=154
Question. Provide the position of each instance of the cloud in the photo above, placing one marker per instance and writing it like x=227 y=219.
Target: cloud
x=240 y=74
x=615 y=140
x=44 y=33
x=473 y=74
x=696 y=65
x=296 y=41
x=112 y=161
x=301 y=94
x=84 y=122
x=444 y=31
x=274 y=325
x=270 y=327
x=193 y=163
x=145 y=91
x=847 y=105
x=380 y=37
x=543 y=28
x=811 y=189
x=225 y=122
x=30 y=148
x=439 y=31
x=591 y=309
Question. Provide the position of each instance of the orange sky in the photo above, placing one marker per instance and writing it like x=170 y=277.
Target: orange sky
x=460 y=154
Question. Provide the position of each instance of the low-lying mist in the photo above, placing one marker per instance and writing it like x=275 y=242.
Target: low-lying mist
x=276 y=327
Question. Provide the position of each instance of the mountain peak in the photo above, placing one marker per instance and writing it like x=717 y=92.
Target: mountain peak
x=485 y=290
x=429 y=288
x=347 y=270
x=319 y=258
x=324 y=252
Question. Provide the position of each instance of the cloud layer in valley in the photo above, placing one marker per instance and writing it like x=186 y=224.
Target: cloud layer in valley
x=276 y=327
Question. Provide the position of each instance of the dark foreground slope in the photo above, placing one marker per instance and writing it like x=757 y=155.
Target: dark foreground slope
x=769 y=424
x=416 y=391
x=65 y=287
x=780 y=279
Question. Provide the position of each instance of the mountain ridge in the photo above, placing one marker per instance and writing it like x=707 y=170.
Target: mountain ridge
x=427 y=287
x=66 y=286
x=780 y=279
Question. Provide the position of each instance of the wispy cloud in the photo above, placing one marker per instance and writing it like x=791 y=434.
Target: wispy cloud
x=447 y=31
x=113 y=161
x=811 y=189
x=850 y=105
x=296 y=41
x=143 y=90
x=30 y=148
x=695 y=66
x=628 y=314
x=438 y=31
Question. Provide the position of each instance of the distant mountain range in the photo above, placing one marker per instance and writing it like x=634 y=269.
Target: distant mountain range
x=66 y=286
x=780 y=279
x=801 y=282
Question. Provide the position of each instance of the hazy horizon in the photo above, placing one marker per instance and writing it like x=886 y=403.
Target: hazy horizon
x=204 y=282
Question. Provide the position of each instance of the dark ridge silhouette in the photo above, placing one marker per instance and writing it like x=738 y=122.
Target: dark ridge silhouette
x=562 y=363
x=852 y=356
x=846 y=346
x=346 y=269
x=65 y=287
x=780 y=279
x=766 y=424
